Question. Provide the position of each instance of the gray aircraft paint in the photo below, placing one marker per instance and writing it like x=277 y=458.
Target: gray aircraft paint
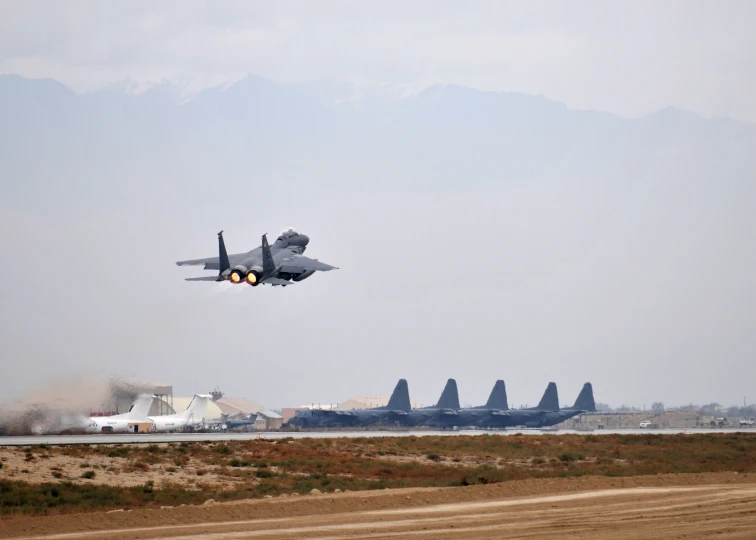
x=279 y=264
x=241 y=422
x=583 y=403
x=447 y=413
x=498 y=397
x=494 y=417
x=396 y=412
x=443 y=413
x=550 y=399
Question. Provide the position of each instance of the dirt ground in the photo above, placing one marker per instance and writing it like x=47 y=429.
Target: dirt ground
x=46 y=466
x=660 y=506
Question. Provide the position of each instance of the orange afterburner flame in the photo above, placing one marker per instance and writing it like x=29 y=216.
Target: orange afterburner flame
x=235 y=277
x=251 y=278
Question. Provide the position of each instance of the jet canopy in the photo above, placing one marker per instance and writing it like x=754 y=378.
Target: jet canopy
x=288 y=232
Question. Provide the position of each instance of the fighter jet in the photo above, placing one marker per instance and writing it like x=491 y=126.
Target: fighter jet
x=279 y=264
x=444 y=413
x=396 y=412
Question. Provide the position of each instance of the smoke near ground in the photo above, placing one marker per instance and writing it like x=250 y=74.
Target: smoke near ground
x=66 y=404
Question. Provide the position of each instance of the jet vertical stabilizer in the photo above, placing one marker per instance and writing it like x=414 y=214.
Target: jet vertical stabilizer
x=400 y=400
x=269 y=267
x=196 y=409
x=449 y=397
x=550 y=399
x=498 y=397
x=223 y=263
x=584 y=401
x=141 y=407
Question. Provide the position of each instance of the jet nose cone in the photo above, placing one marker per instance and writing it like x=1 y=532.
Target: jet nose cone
x=304 y=239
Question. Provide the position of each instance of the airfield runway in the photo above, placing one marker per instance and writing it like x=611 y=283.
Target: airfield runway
x=673 y=506
x=154 y=438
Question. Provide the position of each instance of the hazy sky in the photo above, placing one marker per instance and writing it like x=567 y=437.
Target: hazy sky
x=629 y=58
x=486 y=237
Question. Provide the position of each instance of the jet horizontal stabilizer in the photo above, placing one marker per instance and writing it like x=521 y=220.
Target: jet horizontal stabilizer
x=204 y=278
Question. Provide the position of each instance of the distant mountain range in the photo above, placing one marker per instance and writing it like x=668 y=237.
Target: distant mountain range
x=254 y=131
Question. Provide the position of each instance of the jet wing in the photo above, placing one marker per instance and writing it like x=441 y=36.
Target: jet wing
x=296 y=264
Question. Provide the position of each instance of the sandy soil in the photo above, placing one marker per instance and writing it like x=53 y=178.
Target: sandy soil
x=663 y=506
x=114 y=471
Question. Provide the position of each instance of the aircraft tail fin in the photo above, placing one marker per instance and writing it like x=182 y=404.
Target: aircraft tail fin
x=498 y=397
x=449 y=397
x=400 y=400
x=223 y=263
x=585 y=401
x=550 y=399
x=141 y=406
x=197 y=407
x=269 y=267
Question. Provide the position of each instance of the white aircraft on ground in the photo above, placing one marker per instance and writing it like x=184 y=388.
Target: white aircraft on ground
x=123 y=422
x=192 y=416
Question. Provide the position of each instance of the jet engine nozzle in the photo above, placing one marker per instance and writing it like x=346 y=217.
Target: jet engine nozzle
x=238 y=274
x=254 y=275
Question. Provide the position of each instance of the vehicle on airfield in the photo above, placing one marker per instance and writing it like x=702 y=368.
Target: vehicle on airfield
x=128 y=422
x=191 y=417
x=279 y=264
x=395 y=413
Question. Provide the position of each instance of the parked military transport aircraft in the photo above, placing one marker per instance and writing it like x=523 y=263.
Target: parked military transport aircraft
x=192 y=416
x=447 y=412
x=279 y=264
x=123 y=422
x=583 y=403
x=443 y=413
x=396 y=412
x=532 y=417
x=484 y=416
x=547 y=413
